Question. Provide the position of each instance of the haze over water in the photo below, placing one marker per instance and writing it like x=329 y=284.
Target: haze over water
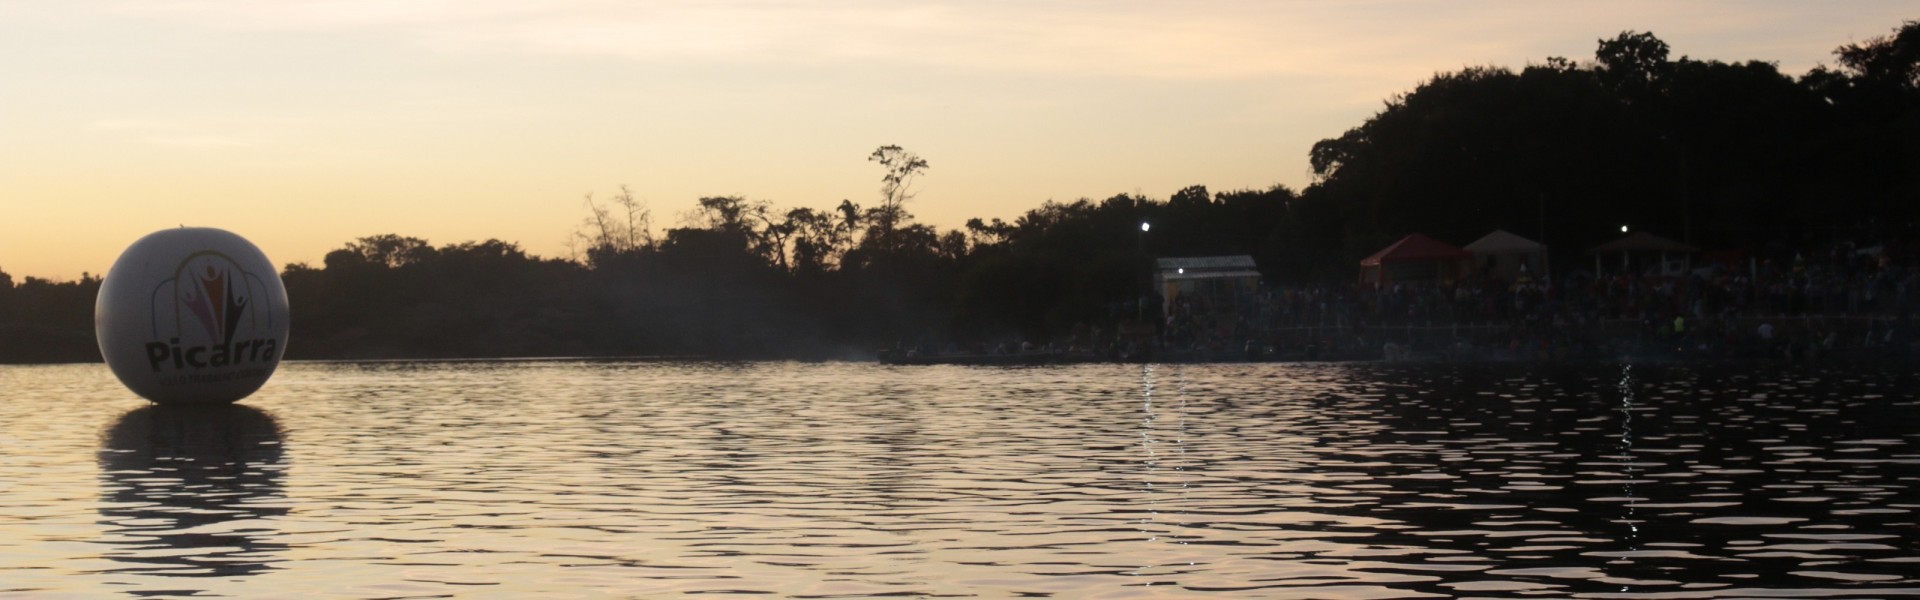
x=856 y=480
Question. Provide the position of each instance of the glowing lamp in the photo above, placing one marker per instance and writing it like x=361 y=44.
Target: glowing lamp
x=192 y=315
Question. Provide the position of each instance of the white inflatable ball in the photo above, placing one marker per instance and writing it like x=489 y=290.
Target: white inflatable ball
x=192 y=315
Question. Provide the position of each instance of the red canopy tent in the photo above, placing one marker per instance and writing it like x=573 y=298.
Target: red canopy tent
x=1415 y=257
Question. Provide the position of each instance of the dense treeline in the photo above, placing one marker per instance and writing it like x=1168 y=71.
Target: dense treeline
x=1725 y=155
x=1731 y=156
x=47 y=321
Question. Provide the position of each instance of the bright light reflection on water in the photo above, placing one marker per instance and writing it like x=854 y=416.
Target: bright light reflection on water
x=852 y=480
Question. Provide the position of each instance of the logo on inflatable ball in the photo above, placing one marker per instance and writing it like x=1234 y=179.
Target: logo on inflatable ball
x=192 y=316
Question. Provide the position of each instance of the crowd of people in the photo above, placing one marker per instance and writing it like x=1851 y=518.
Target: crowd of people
x=1846 y=301
x=1849 y=301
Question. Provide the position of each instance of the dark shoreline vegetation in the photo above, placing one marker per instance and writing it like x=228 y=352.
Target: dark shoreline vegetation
x=1796 y=175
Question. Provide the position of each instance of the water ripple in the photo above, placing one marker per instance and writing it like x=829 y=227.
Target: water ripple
x=843 y=480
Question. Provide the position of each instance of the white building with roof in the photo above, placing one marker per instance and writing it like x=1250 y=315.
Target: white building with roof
x=1219 y=279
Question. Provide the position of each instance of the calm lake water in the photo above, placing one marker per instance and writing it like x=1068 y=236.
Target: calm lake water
x=598 y=479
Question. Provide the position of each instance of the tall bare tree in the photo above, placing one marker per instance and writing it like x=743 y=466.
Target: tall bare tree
x=896 y=188
x=621 y=225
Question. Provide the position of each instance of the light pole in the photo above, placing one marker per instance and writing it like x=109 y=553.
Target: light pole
x=1625 y=256
x=1141 y=247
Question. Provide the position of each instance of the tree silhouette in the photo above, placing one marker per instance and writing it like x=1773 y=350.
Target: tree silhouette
x=896 y=188
x=621 y=227
x=1633 y=62
x=385 y=250
x=1891 y=61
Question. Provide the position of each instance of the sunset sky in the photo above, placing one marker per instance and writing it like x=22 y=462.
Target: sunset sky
x=303 y=124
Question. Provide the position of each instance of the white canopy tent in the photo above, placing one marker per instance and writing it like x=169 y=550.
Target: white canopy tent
x=1509 y=256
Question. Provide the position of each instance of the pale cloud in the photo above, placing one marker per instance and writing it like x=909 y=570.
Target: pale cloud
x=131 y=125
x=198 y=141
x=166 y=133
x=1360 y=41
x=1145 y=39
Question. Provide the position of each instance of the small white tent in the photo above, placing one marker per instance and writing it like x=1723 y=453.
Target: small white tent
x=1508 y=256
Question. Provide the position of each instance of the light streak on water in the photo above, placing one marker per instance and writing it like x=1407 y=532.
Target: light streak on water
x=1627 y=458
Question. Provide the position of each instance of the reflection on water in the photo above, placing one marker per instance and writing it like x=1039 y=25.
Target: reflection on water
x=192 y=491
x=1626 y=456
x=844 y=480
